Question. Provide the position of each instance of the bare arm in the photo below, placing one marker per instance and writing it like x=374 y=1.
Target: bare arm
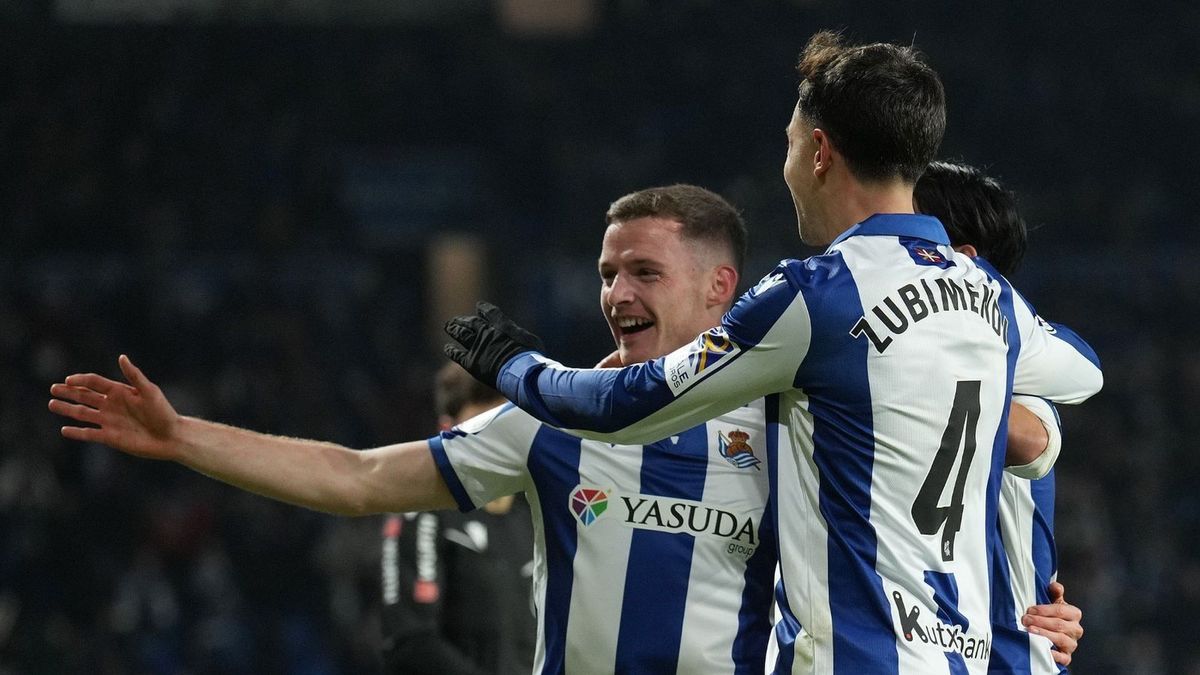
x=137 y=418
x=1034 y=436
x=1027 y=436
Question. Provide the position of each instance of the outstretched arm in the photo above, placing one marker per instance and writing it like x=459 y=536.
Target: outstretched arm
x=135 y=417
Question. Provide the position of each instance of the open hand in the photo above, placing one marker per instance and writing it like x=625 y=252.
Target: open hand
x=135 y=418
x=486 y=340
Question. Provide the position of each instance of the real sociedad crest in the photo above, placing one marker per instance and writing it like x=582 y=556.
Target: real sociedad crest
x=736 y=449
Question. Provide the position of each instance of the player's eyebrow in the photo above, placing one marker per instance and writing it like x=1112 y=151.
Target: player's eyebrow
x=651 y=262
x=644 y=261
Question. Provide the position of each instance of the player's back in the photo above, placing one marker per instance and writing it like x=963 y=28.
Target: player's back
x=897 y=424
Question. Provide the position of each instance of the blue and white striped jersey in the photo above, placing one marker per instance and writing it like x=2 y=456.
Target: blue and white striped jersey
x=893 y=359
x=1025 y=558
x=653 y=558
x=1025 y=561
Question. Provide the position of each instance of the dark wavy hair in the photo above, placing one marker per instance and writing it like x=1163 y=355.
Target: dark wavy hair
x=882 y=106
x=976 y=210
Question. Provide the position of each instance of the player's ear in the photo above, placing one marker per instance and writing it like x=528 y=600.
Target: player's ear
x=823 y=155
x=723 y=286
x=967 y=249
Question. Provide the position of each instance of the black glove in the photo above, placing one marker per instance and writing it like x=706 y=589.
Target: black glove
x=489 y=339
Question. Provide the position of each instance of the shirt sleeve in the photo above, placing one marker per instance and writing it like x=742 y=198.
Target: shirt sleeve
x=485 y=457
x=1054 y=362
x=755 y=351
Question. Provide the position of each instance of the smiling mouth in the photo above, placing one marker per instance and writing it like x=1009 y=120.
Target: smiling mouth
x=630 y=326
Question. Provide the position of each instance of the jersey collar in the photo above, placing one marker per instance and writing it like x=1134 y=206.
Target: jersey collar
x=898 y=225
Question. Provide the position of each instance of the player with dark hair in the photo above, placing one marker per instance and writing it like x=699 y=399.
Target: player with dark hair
x=888 y=364
x=441 y=567
x=979 y=214
x=638 y=565
x=894 y=138
x=982 y=219
x=648 y=558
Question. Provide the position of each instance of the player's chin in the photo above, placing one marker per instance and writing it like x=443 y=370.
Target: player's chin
x=635 y=351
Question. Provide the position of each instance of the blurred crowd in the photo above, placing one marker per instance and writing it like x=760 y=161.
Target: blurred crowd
x=245 y=211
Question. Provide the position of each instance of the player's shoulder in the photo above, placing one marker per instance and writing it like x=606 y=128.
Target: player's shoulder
x=503 y=420
x=826 y=281
x=792 y=276
x=815 y=267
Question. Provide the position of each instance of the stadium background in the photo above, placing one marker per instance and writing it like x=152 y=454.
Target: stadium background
x=272 y=205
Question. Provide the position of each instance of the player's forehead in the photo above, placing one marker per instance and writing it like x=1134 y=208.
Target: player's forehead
x=796 y=122
x=648 y=239
x=799 y=127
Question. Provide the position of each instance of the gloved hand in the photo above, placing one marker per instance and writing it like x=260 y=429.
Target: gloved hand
x=488 y=340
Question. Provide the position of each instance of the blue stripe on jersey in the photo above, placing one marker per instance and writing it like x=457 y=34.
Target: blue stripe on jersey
x=754 y=624
x=771 y=406
x=754 y=620
x=760 y=308
x=1003 y=651
x=945 y=595
x=660 y=563
x=1010 y=644
x=449 y=475
x=1072 y=338
x=554 y=468
x=788 y=628
x=1045 y=555
x=864 y=638
x=786 y=631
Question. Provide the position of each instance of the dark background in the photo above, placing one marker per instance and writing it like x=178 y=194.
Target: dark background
x=244 y=196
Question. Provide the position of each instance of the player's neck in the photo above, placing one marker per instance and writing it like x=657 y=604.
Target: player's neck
x=860 y=201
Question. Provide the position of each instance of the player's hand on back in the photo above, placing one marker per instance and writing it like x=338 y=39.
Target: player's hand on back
x=135 y=418
x=1059 y=621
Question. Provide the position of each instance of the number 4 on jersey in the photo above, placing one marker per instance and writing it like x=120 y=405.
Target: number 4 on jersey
x=928 y=515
